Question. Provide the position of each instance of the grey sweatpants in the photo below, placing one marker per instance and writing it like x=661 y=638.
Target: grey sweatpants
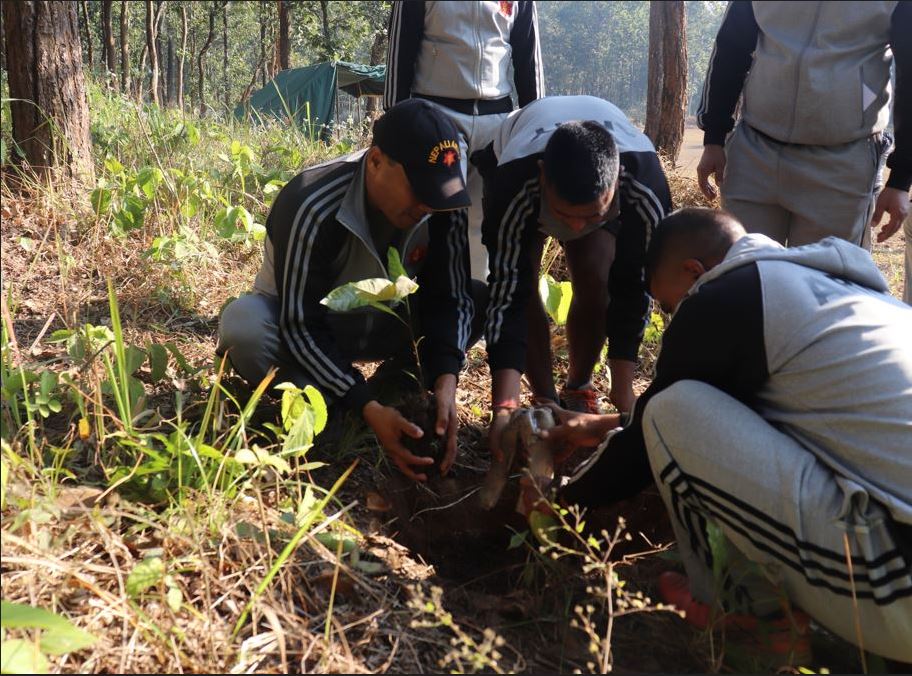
x=799 y=194
x=715 y=460
x=249 y=333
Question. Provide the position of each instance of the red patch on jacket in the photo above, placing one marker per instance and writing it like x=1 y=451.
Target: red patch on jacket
x=506 y=8
x=416 y=255
x=450 y=157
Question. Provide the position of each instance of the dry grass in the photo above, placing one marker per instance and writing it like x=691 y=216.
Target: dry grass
x=70 y=548
x=76 y=563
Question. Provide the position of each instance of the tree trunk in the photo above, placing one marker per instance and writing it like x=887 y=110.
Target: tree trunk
x=249 y=89
x=51 y=118
x=88 y=33
x=377 y=54
x=667 y=131
x=138 y=86
x=161 y=53
x=201 y=59
x=262 y=18
x=654 y=79
x=2 y=43
x=170 y=94
x=192 y=92
x=107 y=29
x=183 y=52
x=327 y=39
x=124 y=48
x=150 y=49
x=283 y=44
x=225 y=85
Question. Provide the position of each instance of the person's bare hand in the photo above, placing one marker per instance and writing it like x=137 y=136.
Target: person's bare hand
x=389 y=425
x=894 y=203
x=575 y=430
x=712 y=163
x=495 y=432
x=447 y=420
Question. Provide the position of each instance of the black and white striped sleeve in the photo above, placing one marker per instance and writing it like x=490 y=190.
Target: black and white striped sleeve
x=716 y=337
x=304 y=277
x=445 y=295
x=406 y=29
x=525 y=43
x=729 y=62
x=511 y=204
x=645 y=199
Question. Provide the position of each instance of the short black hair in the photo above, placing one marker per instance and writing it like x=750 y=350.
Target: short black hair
x=704 y=234
x=581 y=161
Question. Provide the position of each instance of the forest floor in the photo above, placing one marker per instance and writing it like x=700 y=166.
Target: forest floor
x=382 y=575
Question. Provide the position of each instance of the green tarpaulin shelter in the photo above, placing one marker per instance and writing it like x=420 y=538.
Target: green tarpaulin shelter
x=308 y=95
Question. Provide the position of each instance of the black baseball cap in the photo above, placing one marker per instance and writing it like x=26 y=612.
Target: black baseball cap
x=421 y=137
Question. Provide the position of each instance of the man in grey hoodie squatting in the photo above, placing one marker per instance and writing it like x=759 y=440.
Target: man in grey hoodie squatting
x=781 y=415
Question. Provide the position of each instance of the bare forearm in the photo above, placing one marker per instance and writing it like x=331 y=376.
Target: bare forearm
x=505 y=388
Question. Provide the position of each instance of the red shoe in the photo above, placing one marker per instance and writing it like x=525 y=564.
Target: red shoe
x=581 y=401
x=784 y=637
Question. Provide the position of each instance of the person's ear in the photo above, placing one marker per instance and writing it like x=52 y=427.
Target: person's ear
x=693 y=267
x=374 y=157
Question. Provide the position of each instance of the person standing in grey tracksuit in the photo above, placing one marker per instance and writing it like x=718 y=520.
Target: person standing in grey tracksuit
x=804 y=161
x=781 y=412
x=459 y=54
x=333 y=224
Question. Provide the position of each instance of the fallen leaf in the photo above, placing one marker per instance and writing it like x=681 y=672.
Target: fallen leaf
x=76 y=497
x=345 y=585
x=377 y=503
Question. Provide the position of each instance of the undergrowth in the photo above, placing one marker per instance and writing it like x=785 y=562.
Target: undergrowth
x=155 y=516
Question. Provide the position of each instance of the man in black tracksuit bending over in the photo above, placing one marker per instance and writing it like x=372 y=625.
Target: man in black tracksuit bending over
x=597 y=187
x=333 y=224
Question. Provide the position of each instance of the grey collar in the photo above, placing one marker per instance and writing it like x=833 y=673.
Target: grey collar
x=352 y=211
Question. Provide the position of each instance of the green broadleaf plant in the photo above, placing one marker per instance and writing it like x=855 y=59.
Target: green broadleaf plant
x=556 y=297
x=58 y=637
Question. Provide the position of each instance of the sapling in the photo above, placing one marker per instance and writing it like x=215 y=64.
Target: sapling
x=384 y=294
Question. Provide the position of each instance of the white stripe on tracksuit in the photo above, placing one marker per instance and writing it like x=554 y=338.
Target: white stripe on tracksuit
x=539 y=73
x=392 y=72
x=315 y=209
x=505 y=269
x=704 y=97
x=458 y=242
x=648 y=206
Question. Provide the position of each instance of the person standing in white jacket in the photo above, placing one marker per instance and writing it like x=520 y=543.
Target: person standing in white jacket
x=460 y=56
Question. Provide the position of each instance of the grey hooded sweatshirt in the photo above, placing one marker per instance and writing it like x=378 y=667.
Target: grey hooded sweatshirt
x=809 y=338
x=839 y=356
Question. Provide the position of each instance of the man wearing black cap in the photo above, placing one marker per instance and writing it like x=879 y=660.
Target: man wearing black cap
x=333 y=224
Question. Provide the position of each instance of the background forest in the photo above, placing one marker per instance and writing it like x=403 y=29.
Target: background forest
x=210 y=54
x=156 y=520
